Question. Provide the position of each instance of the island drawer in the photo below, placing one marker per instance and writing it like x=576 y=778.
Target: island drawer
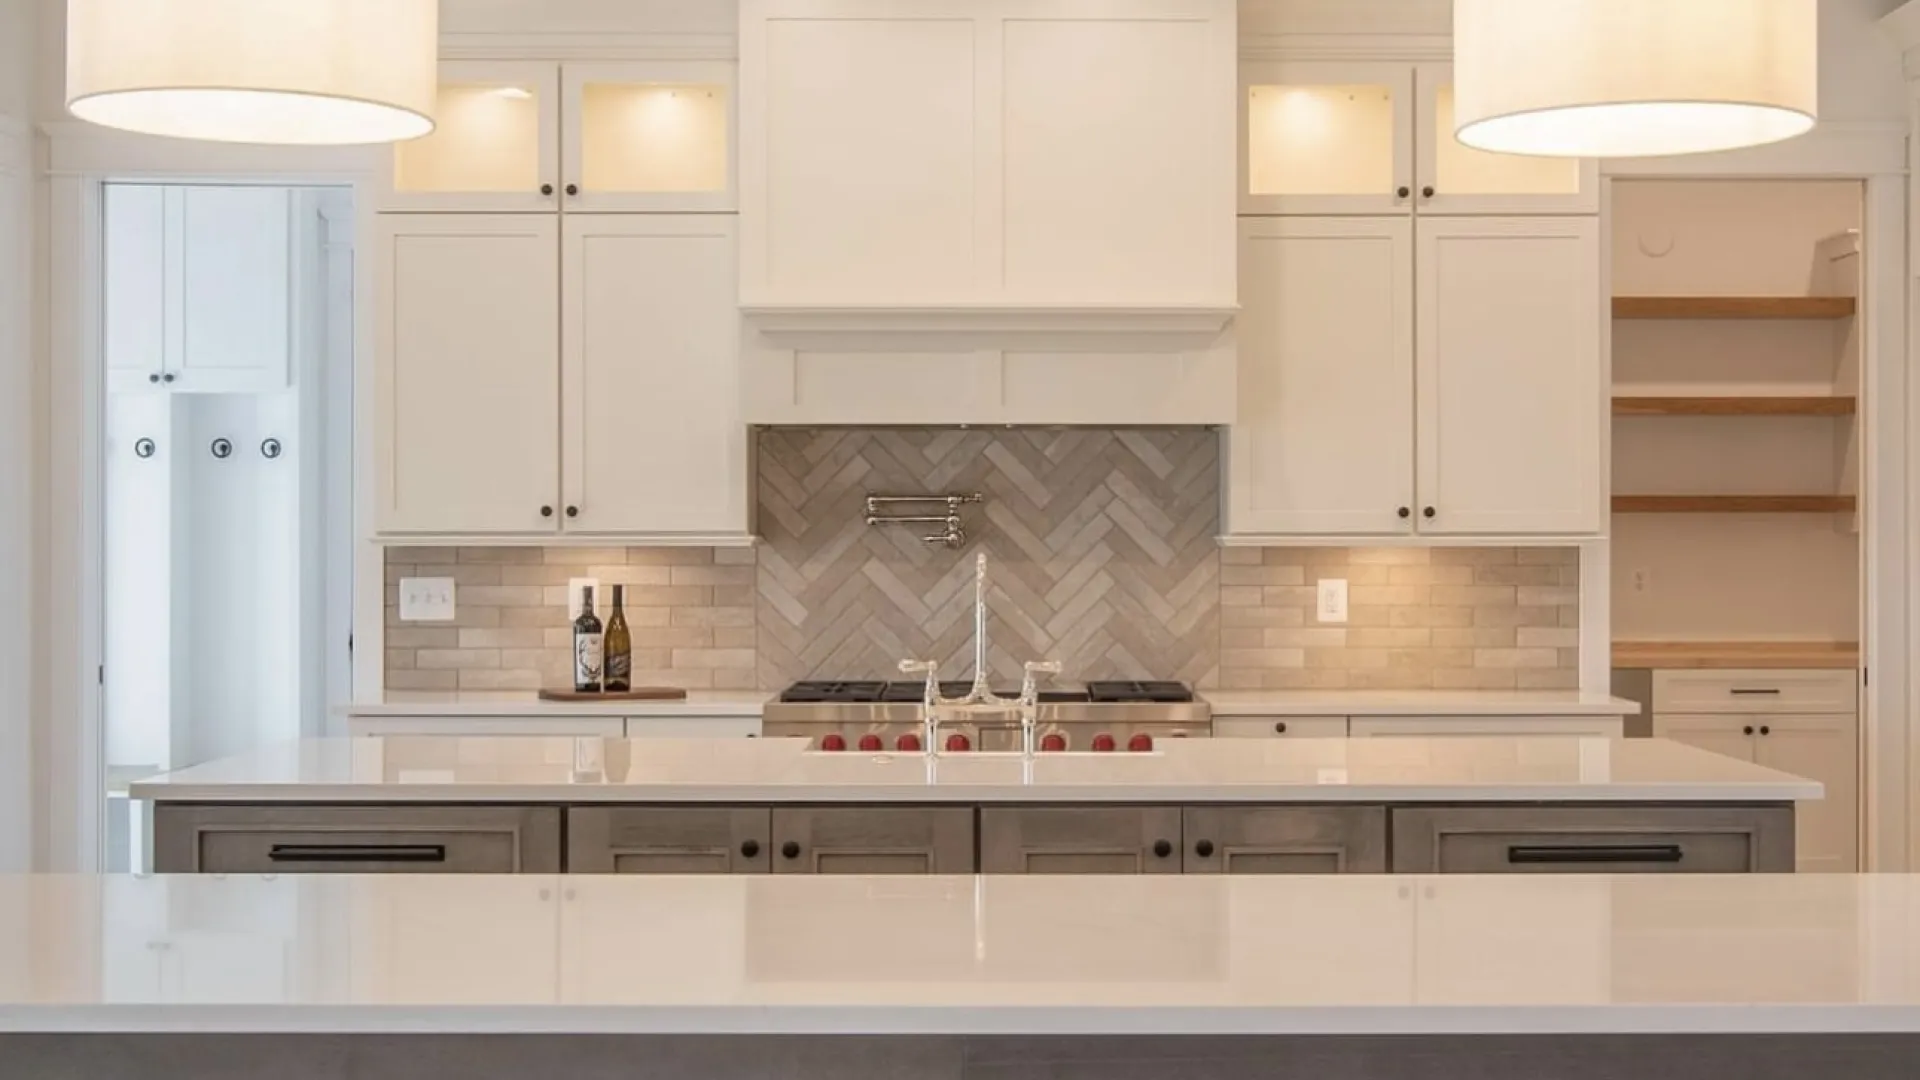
x=1285 y=839
x=1593 y=840
x=669 y=840
x=1080 y=840
x=1757 y=691
x=241 y=839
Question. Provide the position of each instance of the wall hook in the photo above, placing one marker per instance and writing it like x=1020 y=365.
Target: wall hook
x=222 y=448
x=270 y=449
x=144 y=448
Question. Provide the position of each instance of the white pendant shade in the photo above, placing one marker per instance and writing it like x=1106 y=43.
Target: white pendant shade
x=259 y=71
x=1633 y=78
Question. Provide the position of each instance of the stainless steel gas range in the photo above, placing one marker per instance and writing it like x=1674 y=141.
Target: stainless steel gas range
x=883 y=716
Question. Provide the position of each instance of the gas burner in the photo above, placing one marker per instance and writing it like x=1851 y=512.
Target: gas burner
x=833 y=692
x=1120 y=690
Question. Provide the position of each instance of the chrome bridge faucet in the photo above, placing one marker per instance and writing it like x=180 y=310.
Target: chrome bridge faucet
x=980 y=698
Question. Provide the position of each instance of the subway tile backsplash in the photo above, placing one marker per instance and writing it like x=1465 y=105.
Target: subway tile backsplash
x=1103 y=550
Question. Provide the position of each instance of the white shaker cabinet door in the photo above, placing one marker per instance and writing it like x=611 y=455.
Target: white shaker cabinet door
x=1323 y=444
x=1822 y=748
x=235 y=274
x=467 y=373
x=1508 y=379
x=654 y=440
x=134 y=324
x=1727 y=734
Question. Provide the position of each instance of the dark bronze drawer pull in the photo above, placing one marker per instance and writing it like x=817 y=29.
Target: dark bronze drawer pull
x=369 y=853
x=1536 y=855
x=1753 y=690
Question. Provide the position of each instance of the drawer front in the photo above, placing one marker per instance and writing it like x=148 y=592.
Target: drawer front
x=669 y=840
x=1428 y=726
x=1759 y=691
x=1080 y=840
x=1585 y=840
x=356 y=840
x=564 y=727
x=1274 y=727
x=1285 y=840
x=873 y=840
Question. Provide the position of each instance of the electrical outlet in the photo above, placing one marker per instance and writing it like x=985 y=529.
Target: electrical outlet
x=1642 y=579
x=426 y=599
x=576 y=589
x=1332 y=596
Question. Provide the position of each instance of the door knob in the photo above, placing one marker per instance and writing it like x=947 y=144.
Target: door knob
x=1204 y=849
x=749 y=848
x=790 y=850
x=1404 y=191
x=573 y=189
x=1162 y=849
x=1427 y=192
x=573 y=511
x=1427 y=512
x=1406 y=511
x=546 y=511
x=546 y=189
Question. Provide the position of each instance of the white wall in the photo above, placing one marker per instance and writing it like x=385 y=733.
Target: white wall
x=18 y=428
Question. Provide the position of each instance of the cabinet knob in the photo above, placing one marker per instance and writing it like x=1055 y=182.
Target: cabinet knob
x=154 y=378
x=1427 y=192
x=1748 y=730
x=1406 y=511
x=167 y=378
x=749 y=848
x=1204 y=849
x=573 y=189
x=790 y=849
x=1765 y=730
x=573 y=511
x=1404 y=191
x=546 y=511
x=546 y=189
x=1427 y=512
x=1279 y=727
x=1162 y=849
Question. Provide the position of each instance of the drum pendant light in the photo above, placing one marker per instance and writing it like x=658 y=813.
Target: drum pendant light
x=318 y=72
x=1633 y=78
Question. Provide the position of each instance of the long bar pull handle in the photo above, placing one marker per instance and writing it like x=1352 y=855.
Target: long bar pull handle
x=367 y=853
x=1544 y=854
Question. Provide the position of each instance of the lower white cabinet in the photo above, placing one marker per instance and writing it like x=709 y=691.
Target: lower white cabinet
x=540 y=380
x=1279 y=727
x=1579 y=726
x=1818 y=747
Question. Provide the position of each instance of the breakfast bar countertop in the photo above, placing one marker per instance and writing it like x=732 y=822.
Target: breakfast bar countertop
x=449 y=769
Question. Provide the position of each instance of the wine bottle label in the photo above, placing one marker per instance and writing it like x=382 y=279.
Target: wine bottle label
x=589 y=657
x=619 y=668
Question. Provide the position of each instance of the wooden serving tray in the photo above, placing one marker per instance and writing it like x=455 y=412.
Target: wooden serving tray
x=638 y=693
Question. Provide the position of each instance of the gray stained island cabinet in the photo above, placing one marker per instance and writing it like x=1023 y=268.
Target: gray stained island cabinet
x=993 y=839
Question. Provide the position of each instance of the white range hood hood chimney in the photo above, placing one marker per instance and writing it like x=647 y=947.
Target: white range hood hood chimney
x=994 y=198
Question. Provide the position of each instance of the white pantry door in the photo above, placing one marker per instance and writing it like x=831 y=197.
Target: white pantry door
x=467 y=373
x=1323 y=444
x=651 y=376
x=1508 y=376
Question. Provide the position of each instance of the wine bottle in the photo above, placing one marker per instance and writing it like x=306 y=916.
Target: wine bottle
x=619 y=661
x=589 y=646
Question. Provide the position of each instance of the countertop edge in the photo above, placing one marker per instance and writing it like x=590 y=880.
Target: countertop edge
x=1444 y=704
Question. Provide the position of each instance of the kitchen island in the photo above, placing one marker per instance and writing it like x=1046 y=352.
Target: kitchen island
x=535 y=805
x=1010 y=978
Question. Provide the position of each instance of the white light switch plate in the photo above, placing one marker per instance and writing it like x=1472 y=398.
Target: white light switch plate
x=426 y=599
x=576 y=588
x=1332 y=600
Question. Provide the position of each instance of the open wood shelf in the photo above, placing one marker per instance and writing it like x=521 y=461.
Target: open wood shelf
x=1736 y=654
x=1733 y=307
x=1733 y=504
x=1733 y=406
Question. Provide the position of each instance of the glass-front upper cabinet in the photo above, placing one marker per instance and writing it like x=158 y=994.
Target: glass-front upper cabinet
x=1457 y=179
x=656 y=135
x=1331 y=138
x=495 y=144
x=1327 y=138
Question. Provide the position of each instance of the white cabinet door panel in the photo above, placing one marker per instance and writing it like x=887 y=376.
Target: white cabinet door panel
x=134 y=321
x=1507 y=377
x=467 y=369
x=650 y=373
x=1727 y=735
x=1324 y=441
x=236 y=285
x=1821 y=748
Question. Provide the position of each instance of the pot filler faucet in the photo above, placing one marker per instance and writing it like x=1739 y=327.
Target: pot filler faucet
x=980 y=698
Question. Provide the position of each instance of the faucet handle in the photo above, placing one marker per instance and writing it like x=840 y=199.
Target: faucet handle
x=931 y=669
x=918 y=667
x=1029 y=682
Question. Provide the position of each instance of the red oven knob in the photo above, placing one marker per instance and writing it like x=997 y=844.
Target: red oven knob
x=958 y=742
x=833 y=741
x=908 y=743
x=1103 y=742
x=871 y=741
x=1140 y=743
x=1053 y=742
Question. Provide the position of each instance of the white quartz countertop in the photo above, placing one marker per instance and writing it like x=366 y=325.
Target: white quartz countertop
x=579 y=770
x=1362 y=954
x=1417 y=703
x=525 y=703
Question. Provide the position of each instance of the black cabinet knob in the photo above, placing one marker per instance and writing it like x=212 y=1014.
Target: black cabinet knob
x=546 y=189
x=1748 y=730
x=1427 y=192
x=1427 y=512
x=573 y=511
x=168 y=377
x=1162 y=849
x=155 y=377
x=573 y=189
x=546 y=511
x=1765 y=730
x=1404 y=191
x=790 y=849
x=1279 y=727
x=1204 y=849
x=749 y=848
x=1406 y=511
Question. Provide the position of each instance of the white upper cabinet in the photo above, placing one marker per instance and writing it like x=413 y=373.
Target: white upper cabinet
x=653 y=441
x=1508 y=376
x=956 y=153
x=520 y=136
x=467 y=340
x=1377 y=138
x=1323 y=443
x=198 y=287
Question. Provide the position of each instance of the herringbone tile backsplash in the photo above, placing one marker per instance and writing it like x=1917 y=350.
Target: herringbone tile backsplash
x=1102 y=553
